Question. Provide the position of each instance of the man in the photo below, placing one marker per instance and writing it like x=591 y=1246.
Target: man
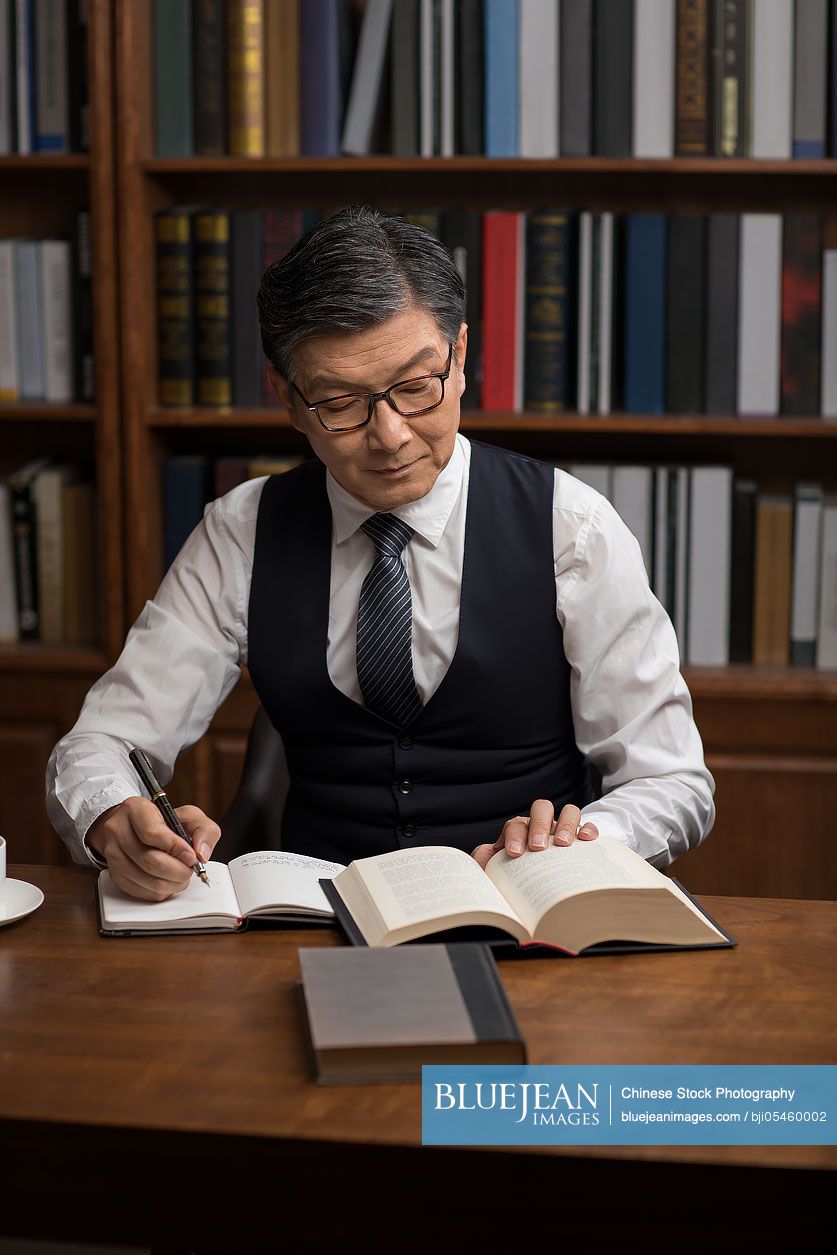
x=447 y=635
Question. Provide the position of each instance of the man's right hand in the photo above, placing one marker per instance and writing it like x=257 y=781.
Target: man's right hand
x=144 y=857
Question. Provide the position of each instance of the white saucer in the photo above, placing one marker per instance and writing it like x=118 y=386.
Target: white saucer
x=18 y=898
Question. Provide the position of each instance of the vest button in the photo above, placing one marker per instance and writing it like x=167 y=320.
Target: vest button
x=406 y=742
x=409 y=830
x=404 y=786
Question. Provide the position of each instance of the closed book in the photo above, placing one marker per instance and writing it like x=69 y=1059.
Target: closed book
x=743 y=571
x=281 y=228
x=686 y=313
x=30 y=343
x=281 y=39
x=470 y=111
x=428 y=87
x=503 y=283
x=584 y=316
x=575 y=76
x=229 y=472
x=539 y=87
x=379 y=1015
x=25 y=534
x=548 y=347
x=9 y=373
x=653 y=78
x=771 y=622
x=52 y=110
x=693 y=111
x=832 y=81
x=25 y=98
x=246 y=255
x=613 y=82
x=245 y=78
x=828 y=386
x=213 y=330
x=269 y=464
x=209 y=79
x=810 y=91
x=770 y=121
x=78 y=87
x=55 y=277
x=187 y=488
x=721 y=312
x=659 y=576
x=827 y=625
x=462 y=235
x=430 y=220
x=730 y=78
x=682 y=545
x=502 y=83
x=444 y=146
x=367 y=95
x=81 y=593
x=8 y=129
x=645 y=313
x=49 y=514
x=801 y=313
x=807 y=539
x=8 y=583
x=324 y=68
x=84 y=373
x=404 y=71
x=633 y=499
x=759 y=314
x=597 y=237
x=175 y=306
x=173 y=118
x=710 y=565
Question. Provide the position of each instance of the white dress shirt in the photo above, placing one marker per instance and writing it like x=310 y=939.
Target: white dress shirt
x=632 y=711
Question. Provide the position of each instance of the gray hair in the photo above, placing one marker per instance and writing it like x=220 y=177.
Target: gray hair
x=351 y=271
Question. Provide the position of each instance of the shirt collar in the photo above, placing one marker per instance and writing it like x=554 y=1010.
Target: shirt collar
x=428 y=516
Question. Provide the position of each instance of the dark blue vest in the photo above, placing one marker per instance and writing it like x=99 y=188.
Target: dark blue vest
x=495 y=735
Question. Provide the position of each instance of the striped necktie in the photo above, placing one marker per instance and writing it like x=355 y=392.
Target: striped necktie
x=385 y=625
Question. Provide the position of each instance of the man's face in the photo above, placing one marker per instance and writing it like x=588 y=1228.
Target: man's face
x=410 y=344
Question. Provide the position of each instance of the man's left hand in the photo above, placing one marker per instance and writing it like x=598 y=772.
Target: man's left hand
x=537 y=830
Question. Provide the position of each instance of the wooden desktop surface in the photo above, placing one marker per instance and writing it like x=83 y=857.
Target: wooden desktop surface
x=148 y=1063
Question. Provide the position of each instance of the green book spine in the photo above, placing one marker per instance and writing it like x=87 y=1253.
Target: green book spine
x=213 y=355
x=175 y=308
x=173 y=78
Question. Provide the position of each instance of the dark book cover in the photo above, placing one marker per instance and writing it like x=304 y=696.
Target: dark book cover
x=25 y=539
x=470 y=103
x=595 y=312
x=729 y=78
x=175 y=307
x=187 y=487
x=462 y=235
x=209 y=77
x=742 y=568
x=832 y=87
x=722 y=246
x=669 y=598
x=245 y=79
x=213 y=332
x=404 y=90
x=645 y=313
x=246 y=271
x=810 y=80
x=84 y=380
x=693 y=115
x=576 y=78
x=229 y=472
x=801 y=313
x=325 y=47
x=548 y=305
x=613 y=60
x=173 y=120
x=502 y=78
x=378 y=1015
x=281 y=228
x=686 y=313
x=77 y=77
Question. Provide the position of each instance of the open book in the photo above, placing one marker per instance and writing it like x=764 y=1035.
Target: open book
x=269 y=884
x=566 y=897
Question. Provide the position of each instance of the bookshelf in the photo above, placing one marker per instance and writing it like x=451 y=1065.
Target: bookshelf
x=770 y=733
x=42 y=686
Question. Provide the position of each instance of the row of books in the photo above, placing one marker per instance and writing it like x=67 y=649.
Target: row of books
x=499 y=78
x=46 y=318
x=746 y=575
x=646 y=313
x=43 y=77
x=48 y=581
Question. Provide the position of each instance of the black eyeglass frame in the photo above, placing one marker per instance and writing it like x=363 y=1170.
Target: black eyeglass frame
x=372 y=397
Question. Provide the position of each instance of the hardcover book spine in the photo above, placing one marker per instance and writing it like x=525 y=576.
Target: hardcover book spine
x=209 y=64
x=633 y=489
x=323 y=38
x=653 y=78
x=213 y=349
x=8 y=586
x=246 y=262
x=280 y=230
x=30 y=320
x=463 y=237
x=245 y=78
x=539 y=96
x=55 y=305
x=24 y=76
x=613 y=64
x=730 y=78
x=833 y=80
x=24 y=524
x=576 y=78
x=645 y=313
x=50 y=545
x=7 y=81
x=173 y=78
x=404 y=90
x=771 y=101
x=229 y=473
x=722 y=308
x=806 y=571
x=282 y=78
x=501 y=309
x=77 y=82
x=710 y=536
x=686 y=313
x=448 y=86
x=9 y=381
x=366 y=95
x=828 y=387
x=759 y=319
x=469 y=53
x=771 y=627
x=741 y=608
x=593 y=374
x=53 y=122
x=827 y=625
x=502 y=91
x=693 y=114
x=175 y=308
x=606 y=309
x=681 y=561
x=548 y=243
x=84 y=375
x=584 y=321
x=810 y=76
x=81 y=598
x=186 y=490
x=801 y=314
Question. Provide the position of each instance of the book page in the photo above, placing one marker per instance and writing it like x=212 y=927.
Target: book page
x=197 y=900
x=535 y=881
x=279 y=879
x=428 y=883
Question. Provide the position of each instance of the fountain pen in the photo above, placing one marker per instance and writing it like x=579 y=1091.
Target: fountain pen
x=146 y=774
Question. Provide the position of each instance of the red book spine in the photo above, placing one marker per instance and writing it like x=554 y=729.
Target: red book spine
x=281 y=228
x=502 y=311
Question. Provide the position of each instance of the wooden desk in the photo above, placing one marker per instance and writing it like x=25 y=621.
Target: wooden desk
x=160 y=1088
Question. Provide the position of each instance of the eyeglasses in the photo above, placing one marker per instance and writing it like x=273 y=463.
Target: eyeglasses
x=354 y=409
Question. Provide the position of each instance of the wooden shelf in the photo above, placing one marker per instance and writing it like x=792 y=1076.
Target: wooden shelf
x=20 y=412
x=54 y=162
x=33 y=656
x=780 y=683
x=507 y=165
